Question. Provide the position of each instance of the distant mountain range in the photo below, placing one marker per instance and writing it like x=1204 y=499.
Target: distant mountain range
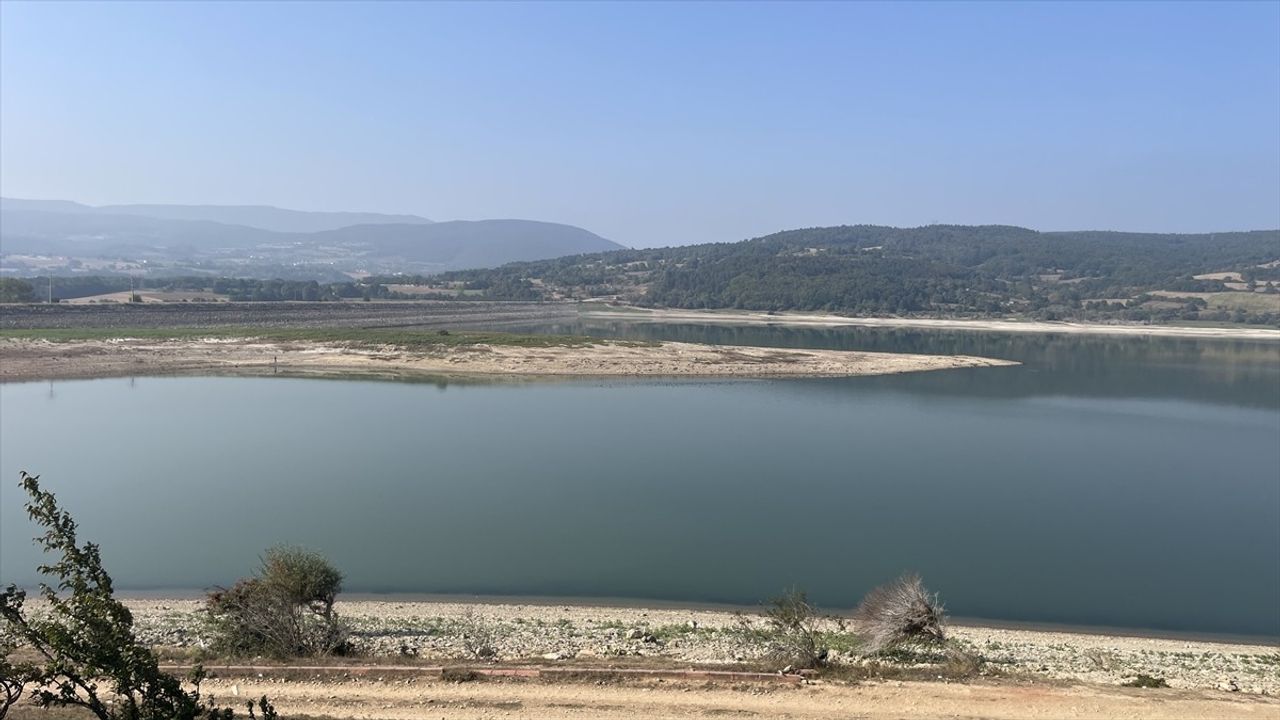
x=263 y=217
x=262 y=241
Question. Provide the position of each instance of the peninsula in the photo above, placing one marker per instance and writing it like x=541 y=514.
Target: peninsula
x=61 y=354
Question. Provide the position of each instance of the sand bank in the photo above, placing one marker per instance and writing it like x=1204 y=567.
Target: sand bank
x=39 y=359
x=1029 y=326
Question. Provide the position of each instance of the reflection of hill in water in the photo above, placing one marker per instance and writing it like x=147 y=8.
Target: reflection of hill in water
x=1233 y=372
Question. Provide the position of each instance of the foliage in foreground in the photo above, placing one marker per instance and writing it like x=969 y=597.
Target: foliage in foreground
x=900 y=613
x=285 y=610
x=87 y=655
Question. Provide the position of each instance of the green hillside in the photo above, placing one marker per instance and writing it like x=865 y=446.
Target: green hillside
x=988 y=271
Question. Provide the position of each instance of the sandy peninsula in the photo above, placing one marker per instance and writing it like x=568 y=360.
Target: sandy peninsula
x=33 y=358
x=1002 y=326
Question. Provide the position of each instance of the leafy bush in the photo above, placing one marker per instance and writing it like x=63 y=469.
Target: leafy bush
x=900 y=613
x=85 y=652
x=286 y=610
x=794 y=624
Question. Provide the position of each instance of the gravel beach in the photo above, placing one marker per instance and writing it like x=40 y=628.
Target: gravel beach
x=454 y=630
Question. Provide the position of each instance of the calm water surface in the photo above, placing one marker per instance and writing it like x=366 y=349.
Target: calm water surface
x=1131 y=482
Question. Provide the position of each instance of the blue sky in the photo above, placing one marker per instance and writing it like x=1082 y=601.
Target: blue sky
x=661 y=123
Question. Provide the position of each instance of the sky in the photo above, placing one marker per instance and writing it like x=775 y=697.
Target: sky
x=659 y=123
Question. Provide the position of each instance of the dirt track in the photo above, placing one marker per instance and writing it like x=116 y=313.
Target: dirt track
x=418 y=699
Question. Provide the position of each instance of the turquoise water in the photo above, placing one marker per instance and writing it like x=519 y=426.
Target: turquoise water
x=1128 y=482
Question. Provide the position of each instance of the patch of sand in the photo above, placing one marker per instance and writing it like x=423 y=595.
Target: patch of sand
x=823 y=320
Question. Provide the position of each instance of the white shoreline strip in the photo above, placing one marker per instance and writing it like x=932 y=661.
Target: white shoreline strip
x=1038 y=326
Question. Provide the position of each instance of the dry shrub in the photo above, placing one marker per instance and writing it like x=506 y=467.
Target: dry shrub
x=900 y=613
x=794 y=624
x=479 y=636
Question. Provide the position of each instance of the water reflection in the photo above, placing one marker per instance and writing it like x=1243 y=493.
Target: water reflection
x=1237 y=372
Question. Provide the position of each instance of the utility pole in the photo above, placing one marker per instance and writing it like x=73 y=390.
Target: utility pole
x=50 y=288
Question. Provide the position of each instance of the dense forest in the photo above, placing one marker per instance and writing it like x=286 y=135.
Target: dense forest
x=986 y=271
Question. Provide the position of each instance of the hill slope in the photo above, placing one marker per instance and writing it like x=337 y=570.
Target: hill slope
x=472 y=243
x=934 y=270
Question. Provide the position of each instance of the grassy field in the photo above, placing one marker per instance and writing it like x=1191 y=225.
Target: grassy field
x=410 y=339
x=1251 y=301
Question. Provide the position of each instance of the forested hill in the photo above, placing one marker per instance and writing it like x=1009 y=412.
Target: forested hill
x=933 y=270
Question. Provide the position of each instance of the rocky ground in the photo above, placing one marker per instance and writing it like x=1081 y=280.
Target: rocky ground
x=415 y=631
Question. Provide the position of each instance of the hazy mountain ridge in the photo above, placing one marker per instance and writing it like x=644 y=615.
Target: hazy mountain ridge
x=177 y=245
x=264 y=217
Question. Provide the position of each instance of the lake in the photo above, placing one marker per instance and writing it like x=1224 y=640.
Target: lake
x=1129 y=482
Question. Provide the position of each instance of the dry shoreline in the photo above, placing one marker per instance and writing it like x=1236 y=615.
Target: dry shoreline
x=434 y=630
x=572 y=661
x=824 y=320
x=24 y=359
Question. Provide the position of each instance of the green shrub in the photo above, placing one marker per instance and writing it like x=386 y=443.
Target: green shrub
x=286 y=610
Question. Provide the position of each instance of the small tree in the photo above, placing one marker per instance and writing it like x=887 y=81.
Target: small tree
x=87 y=655
x=900 y=613
x=286 y=610
x=794 y=622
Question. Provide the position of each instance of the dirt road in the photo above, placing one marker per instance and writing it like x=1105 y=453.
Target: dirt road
x=656 y=700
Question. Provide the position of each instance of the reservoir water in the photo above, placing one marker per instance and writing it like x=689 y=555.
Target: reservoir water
x=1108 y=481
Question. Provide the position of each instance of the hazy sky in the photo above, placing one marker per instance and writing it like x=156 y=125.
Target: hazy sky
x=660 y=123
